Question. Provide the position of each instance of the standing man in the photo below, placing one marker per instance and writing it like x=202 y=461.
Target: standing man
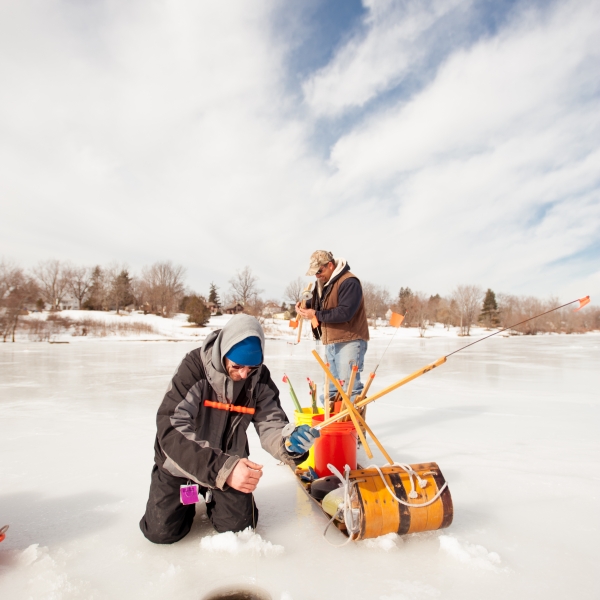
x=201 y=445
x=339 y=307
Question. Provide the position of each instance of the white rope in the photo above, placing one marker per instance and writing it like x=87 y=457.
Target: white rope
x=335 y=516
x=350 y=516
x=412 y=493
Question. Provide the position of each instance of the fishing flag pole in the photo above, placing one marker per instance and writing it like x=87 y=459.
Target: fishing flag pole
x=582 y=302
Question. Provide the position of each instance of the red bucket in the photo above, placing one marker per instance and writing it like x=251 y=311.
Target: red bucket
x=336 y=446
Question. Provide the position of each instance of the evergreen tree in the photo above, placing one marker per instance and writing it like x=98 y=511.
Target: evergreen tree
x=404 y=299
x=121 y=290
x=434 y=303
x=213 y=294
x=489 y=310
x=97 y=294
x=198 y=312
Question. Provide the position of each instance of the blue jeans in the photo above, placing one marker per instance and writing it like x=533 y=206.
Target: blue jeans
x=341 y=356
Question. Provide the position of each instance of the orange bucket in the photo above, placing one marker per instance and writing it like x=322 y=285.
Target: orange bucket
x=336 y=446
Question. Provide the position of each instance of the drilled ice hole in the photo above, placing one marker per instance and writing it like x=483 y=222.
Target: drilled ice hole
x=238 y=593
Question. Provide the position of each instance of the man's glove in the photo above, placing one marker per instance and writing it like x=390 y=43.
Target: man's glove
x=299 y=439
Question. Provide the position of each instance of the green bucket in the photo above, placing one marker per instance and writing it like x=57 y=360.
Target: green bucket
x=305 y=418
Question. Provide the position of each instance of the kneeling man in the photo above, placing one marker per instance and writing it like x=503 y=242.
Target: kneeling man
x=217 y=391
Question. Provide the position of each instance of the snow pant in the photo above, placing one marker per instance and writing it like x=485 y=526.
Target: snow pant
x=341 y=356
x=167 y=520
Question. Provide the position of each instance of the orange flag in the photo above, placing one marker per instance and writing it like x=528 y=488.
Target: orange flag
x=582 y=303
x=293 y=324
x=396 y=320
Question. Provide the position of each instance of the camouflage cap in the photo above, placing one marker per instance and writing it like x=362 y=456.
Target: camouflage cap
x=318 y=259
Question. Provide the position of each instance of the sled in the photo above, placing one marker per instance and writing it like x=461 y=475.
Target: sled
x=368 y=502
x=392 y=499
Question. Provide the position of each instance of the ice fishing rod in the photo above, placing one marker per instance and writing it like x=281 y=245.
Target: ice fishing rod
x=364 y=401
x=582 y=301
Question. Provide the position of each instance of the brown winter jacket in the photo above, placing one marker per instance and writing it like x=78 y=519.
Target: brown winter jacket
x=341 y=298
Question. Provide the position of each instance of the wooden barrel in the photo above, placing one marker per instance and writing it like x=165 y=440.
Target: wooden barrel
x=381 y=513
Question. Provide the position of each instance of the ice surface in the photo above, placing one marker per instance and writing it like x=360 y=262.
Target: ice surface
x=512 y=423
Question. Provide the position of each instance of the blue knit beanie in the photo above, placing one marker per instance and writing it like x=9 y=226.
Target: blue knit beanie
x=247 y=353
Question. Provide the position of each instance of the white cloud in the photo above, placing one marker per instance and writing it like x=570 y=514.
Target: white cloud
x=465 y=169
x=396 y=41
x=137 y=132
x=157 y=131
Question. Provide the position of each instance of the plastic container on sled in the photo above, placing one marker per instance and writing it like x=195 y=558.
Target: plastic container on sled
x=305 y=418
x=336 y=446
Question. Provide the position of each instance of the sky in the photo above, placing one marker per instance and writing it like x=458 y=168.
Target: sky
x=429 y=143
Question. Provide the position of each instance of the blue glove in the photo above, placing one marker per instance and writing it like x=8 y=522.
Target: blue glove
x=301 y=439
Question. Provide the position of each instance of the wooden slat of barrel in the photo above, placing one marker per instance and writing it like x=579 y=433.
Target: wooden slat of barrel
x=376 y=501
x=372 y=508
x=389 y=507
x=446 y=499
x=435 y=511
x=403 y=510
x=418 y=515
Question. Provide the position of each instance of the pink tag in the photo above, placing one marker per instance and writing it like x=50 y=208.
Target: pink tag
x=189 y=494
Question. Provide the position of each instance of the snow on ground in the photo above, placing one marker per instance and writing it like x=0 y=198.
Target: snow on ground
x=177 y=328
x=512 y=423
x=242 y=542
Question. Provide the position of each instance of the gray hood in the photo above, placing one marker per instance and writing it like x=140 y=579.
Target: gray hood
x=218 y=344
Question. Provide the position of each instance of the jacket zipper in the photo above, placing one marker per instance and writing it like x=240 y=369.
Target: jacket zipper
x=237 y=420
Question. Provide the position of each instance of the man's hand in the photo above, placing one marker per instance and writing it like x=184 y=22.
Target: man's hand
x=305 y=313
x=245 y=476
x=301 y=438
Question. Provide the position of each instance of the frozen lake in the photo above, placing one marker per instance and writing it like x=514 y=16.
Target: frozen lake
x=512 y=423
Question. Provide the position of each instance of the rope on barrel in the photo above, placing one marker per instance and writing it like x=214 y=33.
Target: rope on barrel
x=350 y=516
x=412 y=493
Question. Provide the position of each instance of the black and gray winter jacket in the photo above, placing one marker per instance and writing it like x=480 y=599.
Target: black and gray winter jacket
x=204 y=444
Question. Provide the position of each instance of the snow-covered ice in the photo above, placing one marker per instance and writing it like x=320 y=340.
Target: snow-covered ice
x=242 y=542
x=468 y=553
x=512 y=423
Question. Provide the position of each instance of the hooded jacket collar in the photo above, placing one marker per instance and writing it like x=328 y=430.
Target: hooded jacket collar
x=218 y=344
x=341 y=266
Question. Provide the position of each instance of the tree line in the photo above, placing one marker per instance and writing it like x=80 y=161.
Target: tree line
x=466 y=306
x=470 y=305
x=160 y=289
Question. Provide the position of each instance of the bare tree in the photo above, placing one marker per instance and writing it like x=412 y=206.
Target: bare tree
x=164 y=286
x=468 y=300
x=508 y=310
x=256 y=308
x=53 y=280
x=447 y=313
x=138 y=291
x=377 y=300
x=420 y=311
x=293 y=291
x=244 y=288
x=16 y=291
x=79 y=282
